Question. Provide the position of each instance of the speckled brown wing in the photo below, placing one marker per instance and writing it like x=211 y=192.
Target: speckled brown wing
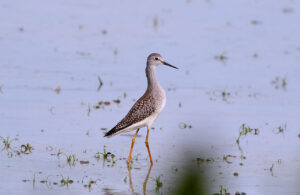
x=143 y=108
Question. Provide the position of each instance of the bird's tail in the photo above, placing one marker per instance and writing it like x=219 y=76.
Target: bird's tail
x=111 y=132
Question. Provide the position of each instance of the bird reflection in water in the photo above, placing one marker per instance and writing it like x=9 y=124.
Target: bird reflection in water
x=145 y=182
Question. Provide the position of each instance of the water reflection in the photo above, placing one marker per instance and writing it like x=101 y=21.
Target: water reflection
x=145 y=182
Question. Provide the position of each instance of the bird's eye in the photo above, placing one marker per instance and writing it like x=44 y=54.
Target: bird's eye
x=156 y=58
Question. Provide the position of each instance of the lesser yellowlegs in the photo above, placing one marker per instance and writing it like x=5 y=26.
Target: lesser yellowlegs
x=144 y=112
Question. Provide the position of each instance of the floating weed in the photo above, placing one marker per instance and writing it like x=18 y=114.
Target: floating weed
x=299 y=135
x=104 y=155
x=33 y=180
x=1 y=89
x=90 y=183
x=225 y=158
x=243 y=131
x=71 y=159
x=184 y=126
x=84 y=162
x=255 y=22
x=246 y=129
x=98 y=155
x=26 y=149
x=117 y=101
x=281 y=129
x=100 y=83
x=223 y=191
x=217 y=94
x=134 y=158
x=57 y=89
x=222 y=57
x=89 y=110
x=65 y=181
x=200 y=161
x=7 y=141
x=271 y=169
x=158 y=183
x=279 y=83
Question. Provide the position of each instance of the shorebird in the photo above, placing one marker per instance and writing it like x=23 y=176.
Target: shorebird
x=146 y=109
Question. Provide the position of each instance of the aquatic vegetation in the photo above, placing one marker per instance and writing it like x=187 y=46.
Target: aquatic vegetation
x=7 y=141
x=158 y=183
x=133 y=158
x=71 y=159
x=222 y=57
x=117 y=101
x=246 y=129
x=184 y=126
x=221 y=94
x=223 y=191
x=89 y=110
x=200 y=160
x=280 y=129
x=279 y=83
x=84 y=162
x=57 y=89
x=105 y=156
x=26 y=149
x=100 y=83
x=255 y=22
x=90 y=183
x=240 y=193
x=65 y=181
x=243 y=131
x=225 y=158
x=1 y=91
x=271 y=169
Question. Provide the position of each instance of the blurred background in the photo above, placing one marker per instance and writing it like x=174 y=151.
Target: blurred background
x=70 y=70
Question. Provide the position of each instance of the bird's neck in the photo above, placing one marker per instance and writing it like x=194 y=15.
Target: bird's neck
x=151 y=77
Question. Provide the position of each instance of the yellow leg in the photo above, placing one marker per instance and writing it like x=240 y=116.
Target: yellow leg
x=132 y=144
x=147 y=145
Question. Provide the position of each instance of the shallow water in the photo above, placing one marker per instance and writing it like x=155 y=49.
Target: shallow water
x=239 y=64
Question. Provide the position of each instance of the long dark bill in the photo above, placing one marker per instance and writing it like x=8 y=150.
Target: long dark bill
x=167 y=64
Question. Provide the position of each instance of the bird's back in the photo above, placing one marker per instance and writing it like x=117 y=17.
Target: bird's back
x=143 y=108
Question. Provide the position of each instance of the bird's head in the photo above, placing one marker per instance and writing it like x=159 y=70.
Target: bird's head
x=155 y=59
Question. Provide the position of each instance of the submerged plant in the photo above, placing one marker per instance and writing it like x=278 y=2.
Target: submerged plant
x=65 y=181
x=71 y=159
x=281 y=129
x=100 y=83
x=7 y=141
x=223 y=191
x=279 y=83
x=158 y=183
x=222 y=57
x=26 y=149
x=243 y=131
